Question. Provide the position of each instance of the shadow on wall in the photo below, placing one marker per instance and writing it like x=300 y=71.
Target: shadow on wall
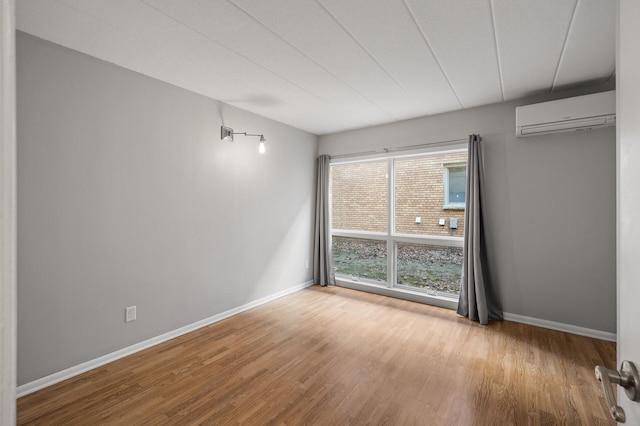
x=285 y=253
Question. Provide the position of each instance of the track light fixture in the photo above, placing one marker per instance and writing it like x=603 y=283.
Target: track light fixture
x=226 y=134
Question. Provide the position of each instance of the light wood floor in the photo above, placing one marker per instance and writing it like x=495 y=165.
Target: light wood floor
x=333 y=356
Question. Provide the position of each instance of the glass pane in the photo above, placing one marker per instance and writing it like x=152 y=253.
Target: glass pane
x=419 y=195
x=457 y=184
x=434 y=269
x=359 y=196
x=360 y=259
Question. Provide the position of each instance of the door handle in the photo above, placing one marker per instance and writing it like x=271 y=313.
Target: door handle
x=628 y=378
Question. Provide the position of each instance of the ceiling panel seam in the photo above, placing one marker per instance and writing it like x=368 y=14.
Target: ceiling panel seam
x=426 y=40
x=495 y=41
x=564 y=46
x=364 y=49
x=154 y=44
x=245 y=58
x=312 y=60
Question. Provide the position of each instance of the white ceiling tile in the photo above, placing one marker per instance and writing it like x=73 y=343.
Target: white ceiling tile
x=461 y=34
x=142 y=21
x=139 y=20
x=242 y=37
x=314 y=32
x=589 y=54
x=274 y=89
x=530 y=37
x=329 y=65
x=389 y=33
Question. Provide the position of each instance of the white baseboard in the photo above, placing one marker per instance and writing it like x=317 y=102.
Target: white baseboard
x=453 y=304
x=70 y=372
x=567 y=328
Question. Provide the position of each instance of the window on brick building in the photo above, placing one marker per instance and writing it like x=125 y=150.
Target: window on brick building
x=455 y=186
x=398 y=222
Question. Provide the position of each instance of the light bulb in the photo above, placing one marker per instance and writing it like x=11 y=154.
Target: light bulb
x=261 y=148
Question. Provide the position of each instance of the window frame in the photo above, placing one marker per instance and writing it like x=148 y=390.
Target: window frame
x=392 y=238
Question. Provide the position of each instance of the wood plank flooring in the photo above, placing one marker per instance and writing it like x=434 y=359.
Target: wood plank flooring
x=333 y=356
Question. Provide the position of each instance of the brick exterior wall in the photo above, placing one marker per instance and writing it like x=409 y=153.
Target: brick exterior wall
x=359 y=196
x=420 y=193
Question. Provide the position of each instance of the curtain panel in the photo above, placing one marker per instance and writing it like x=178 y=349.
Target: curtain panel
x=477 y=298
x=323 y=272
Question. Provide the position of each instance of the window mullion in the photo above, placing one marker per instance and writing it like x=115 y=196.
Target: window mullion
x=391 y=214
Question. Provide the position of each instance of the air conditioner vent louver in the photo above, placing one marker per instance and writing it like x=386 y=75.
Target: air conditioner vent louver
x=564 y=115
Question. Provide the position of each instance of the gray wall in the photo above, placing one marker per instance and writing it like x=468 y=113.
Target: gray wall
x=551 y=208
x=127 y=196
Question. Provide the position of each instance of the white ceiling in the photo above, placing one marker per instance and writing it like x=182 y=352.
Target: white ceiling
x=331 y=65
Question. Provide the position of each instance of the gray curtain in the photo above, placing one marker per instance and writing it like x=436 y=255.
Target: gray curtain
x=323 y=273
x=477 y=299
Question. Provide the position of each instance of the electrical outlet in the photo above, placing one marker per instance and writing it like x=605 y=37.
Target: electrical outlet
x=130 y=314
x=306 y=264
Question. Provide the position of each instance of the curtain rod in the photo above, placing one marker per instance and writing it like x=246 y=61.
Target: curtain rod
x=400 y=148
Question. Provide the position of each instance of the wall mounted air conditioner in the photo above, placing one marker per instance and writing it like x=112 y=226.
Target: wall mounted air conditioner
x=564 y=115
